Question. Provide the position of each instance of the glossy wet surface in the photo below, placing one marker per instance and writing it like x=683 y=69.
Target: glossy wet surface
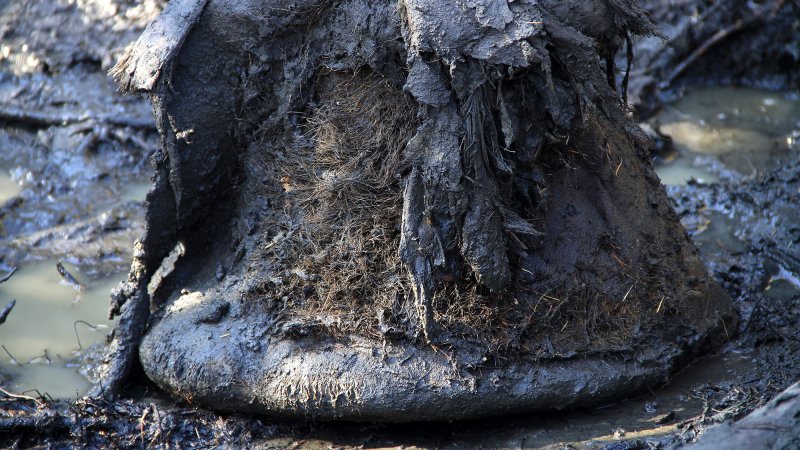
x=719 y=133
x=759 y=138
x=73 y=174
x=728 y=133
x=49 y=324
x=8 y=187
x=45 y=336
x=651 y=415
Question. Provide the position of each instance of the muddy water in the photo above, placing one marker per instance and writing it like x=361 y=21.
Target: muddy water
x=134 y=191
x=8 y=187
x=715 y=234
x=728 y=133
x=53 y=323
x=647 y=416
x=45 y=331
x=687 y=167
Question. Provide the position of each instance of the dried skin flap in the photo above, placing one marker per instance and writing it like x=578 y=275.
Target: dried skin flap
x=145 y=60
x=494 y=31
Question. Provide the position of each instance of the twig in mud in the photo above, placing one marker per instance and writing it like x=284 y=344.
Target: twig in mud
x=90 y=142
x=75 y=328
x=660 y=304
x=8 y=276
x=720 y=35
x=142 y=421
x=49 y=397
x=14 y=360
x=669 y=44
x=47 y=422
x=159 y=430
x=699 y=51
x=6 y=310
x=68 y=276
x=126 y=136
x=43 y=119
x=21 y=397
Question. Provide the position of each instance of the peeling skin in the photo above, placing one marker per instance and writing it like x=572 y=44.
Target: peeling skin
x=525 y=174
x=443 y=28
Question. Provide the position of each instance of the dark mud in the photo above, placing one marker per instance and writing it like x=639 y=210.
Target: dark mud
x=73 y=155
x=723 y=43
x=752 y=260
x=69 y=141
x=753 y=254
x=748 y=232
x=750 y=257
x=569 y=313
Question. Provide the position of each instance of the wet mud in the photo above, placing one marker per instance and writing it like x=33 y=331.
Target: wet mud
x=725 y=43
x=73 y=165
x=556 y=229
x=74 y=191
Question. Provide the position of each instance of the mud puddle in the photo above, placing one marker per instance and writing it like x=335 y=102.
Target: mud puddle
x=728 y=133
x=714 y=233
x=47 y=334
x=134 y=191
x=648 y=416
x=50 y=324
x=8 y=187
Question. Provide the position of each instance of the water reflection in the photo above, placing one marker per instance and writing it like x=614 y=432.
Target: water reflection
x=8 y=187
x=716 y=234
x=40 y=332
x=685 y=168
x=728 y=133
x=134 y=191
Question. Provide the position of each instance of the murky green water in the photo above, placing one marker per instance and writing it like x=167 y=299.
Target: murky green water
x=41 y=334
x=52 y=322
x=729 y=133
x=716 y=234
x=685 y=168
x=134 y=191
x=8 y=187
